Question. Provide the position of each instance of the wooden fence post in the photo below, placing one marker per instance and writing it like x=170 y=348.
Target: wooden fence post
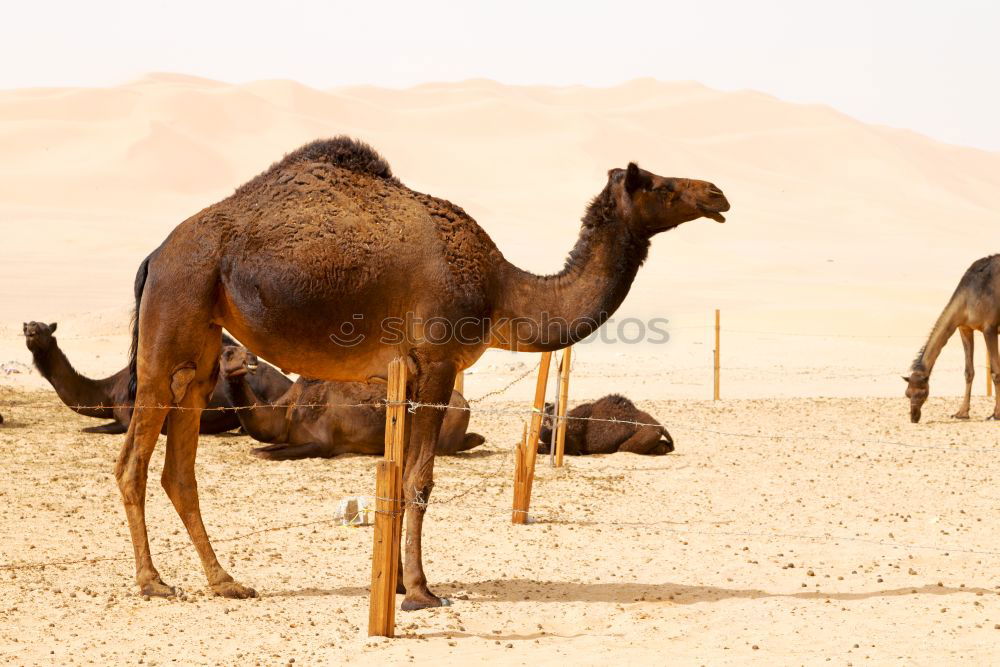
x=715 y=393
x=388 y=509
x=560 y=425
x=460 y=383
x=522 y=491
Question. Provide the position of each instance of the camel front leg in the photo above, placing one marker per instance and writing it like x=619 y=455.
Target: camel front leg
x=970 y=372
x=990 y=334
x=433 y=385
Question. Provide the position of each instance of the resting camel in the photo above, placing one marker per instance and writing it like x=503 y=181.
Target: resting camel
x=607 y=437
x=108 y=398
x=323 y=419
x=974 y=306
x=328 y=266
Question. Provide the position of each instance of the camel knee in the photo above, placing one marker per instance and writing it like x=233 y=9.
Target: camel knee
x=131 y=483
x=970 y=375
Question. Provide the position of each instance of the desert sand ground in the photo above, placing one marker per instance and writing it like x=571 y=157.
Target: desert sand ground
x=842 y=246
x=854 y=537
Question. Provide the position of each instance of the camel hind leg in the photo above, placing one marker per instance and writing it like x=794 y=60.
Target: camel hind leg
x=990 y=334
x=111 y=428
x=646 y=440
x=131 y=472
x=191 y=388
x=970 y=372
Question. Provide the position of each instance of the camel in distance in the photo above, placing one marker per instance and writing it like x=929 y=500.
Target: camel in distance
x=605 y=426
x=974 y=306
x=328 y=240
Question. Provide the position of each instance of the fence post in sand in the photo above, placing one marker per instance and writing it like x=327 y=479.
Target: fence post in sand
x=388 y=509
x=715 y=392
x=560 y=426
x=460 y=383
x=524 y=479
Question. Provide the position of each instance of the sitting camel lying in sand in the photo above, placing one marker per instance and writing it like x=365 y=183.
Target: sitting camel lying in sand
x=108 y=398
x=974 y=306
x=606 y=437
x=322 y=419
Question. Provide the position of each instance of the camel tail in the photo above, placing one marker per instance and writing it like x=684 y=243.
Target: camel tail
x=133 y=353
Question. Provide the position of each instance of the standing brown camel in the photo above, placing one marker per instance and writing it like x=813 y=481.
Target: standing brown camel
x=610 y=431
x=328 y=266
x=974 y=306
x=324 y=419
x=108 y=398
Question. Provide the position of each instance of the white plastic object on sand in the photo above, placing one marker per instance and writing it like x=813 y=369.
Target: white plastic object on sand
x=356 y=511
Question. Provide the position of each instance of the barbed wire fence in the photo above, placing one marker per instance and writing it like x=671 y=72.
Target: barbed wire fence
x=495 y=475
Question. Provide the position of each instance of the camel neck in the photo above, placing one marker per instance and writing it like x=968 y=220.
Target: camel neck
x=942 y=331
x=73 y=388
x=240 y=393
x=540 y=313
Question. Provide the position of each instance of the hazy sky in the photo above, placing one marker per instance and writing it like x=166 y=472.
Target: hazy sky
x=929 y=66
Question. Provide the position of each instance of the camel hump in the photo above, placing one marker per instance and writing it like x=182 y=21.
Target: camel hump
x=341 y=151
x=618 y=401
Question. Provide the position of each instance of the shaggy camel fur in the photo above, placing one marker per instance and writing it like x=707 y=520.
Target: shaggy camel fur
x=974 y=306
x=108 y=398
x=324 y=419
x=606 y=437
x=328 y=266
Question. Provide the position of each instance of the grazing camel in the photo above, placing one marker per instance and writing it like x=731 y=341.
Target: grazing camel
x=328 y=266
x=974 y=306
x=607 y=437
x=323 y=419
x=108 y=398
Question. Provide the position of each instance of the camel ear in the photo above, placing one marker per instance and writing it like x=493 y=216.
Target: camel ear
x=906 y=379
x=52 y=327
x=634 y=179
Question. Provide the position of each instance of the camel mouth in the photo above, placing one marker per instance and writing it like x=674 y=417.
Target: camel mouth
x=712 y=213
x=252 y=365
x=239 y=371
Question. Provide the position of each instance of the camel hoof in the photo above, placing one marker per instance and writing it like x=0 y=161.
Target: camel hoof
x=992 y=418
x=427 y=601
x=157 y=589
x=233 y=590
x=960 y=415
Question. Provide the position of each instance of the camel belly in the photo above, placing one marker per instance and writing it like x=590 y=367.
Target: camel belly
x=313 y=322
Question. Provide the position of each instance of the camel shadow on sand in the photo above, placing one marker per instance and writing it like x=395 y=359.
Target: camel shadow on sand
x=521 y=590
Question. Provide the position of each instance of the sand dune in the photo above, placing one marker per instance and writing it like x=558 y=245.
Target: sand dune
x=837 y=226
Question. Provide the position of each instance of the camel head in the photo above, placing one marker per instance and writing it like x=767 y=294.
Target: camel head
x=917 y=389
x=38 y=336
x=548 y=418
x=654 y=204
x=236 y=361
